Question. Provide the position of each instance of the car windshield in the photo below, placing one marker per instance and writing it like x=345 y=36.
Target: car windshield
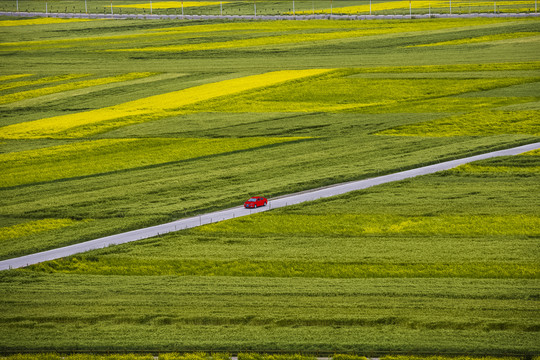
x=253 y=199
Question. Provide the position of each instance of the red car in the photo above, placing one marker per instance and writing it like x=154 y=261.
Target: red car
x=255 y=202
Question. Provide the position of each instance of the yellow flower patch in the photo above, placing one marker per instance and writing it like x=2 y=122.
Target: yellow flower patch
x=414 y=4
x=10 y=98
x=482 y=123
x=262 y=41
x=359 y=225
x=39 y=21
x=33 y=227
x=171 y=4
x=44 y=80
x=101 y=156
x=480 y=39
x=12 y=77
x=153 y=107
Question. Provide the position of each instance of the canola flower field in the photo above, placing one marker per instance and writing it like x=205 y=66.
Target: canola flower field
x=110 y=126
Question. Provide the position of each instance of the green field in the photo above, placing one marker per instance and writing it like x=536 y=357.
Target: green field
x=112 y=125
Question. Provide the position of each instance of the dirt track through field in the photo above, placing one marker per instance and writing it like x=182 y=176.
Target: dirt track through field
x=239 y=211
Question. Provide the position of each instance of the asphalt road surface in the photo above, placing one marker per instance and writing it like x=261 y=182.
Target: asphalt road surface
x=239 y=211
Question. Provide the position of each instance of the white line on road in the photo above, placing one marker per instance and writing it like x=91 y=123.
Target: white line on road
x=239 y=211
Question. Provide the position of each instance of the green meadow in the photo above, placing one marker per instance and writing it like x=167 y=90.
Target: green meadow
x=112 y=125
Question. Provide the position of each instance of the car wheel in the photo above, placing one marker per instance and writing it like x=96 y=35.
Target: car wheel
x=265 y=203
x=255 y=206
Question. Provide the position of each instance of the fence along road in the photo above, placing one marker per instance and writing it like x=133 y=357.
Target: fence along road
x=263 y=17
x=239 y=211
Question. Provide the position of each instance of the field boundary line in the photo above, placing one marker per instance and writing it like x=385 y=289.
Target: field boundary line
x=239 y=211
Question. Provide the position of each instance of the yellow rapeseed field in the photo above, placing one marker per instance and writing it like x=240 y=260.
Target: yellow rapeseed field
x=414 y=4
x=12 y=77
x=32 y=227
x=171 y=4
x=39 y=21
x=480 y=39
x=262 y=41
x=43 y=80
x=157 y=106
x=70 y=86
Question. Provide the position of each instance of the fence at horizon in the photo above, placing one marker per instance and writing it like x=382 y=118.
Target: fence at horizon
x=285 y=7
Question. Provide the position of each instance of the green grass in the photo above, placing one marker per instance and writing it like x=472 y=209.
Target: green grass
x=443 y=263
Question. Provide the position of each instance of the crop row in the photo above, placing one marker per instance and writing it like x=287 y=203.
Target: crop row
x=40 y=81
x=226 y=356
x=285 y=269
x=370 y=224
x=481 y=39
x=18 y=96
x=474 y=124
x=240 y=356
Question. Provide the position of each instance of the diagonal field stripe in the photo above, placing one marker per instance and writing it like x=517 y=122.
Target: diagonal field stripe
x=157 y=105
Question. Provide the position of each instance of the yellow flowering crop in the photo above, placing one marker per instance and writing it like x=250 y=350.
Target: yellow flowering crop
x=106 y=155
x=414 y=4
x=483 y=123
x=12 y=77
x=69 y=86
x=157 y=106
x=171 y=4
x=39 y=21
x=262 y=41
x=480 y=39
x=44 y=80
x=362 y=224
x=32 y=227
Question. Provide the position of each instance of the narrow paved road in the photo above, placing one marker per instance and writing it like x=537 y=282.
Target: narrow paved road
x=239 y=211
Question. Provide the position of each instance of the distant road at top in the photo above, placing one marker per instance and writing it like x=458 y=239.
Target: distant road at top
x=267 y=17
